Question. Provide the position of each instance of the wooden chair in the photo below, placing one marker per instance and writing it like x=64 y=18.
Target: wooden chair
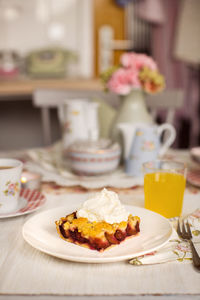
x=169 y=100
x=52 y=98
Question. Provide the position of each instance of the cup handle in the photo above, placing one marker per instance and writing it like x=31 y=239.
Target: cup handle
x=170 y=139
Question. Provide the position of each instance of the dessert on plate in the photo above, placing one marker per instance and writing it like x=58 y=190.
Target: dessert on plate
x=101 y=222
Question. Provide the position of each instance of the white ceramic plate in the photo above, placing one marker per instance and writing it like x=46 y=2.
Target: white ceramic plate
x=29 y=201
x=40 y=232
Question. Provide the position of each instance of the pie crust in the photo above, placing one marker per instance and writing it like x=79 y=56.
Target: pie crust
x=96 y=235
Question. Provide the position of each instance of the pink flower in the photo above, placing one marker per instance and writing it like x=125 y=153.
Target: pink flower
x=129 y=60
x=137 y=61
x=123 y=80
x=136 y=71
x=119 y=83
x=133 y=78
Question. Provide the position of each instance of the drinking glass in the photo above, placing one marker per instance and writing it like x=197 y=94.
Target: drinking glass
x=164 y=185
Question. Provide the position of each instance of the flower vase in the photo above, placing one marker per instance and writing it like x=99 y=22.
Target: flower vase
x=132 y=110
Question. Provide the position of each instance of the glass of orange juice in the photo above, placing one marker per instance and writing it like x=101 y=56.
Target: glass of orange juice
x=164 y=185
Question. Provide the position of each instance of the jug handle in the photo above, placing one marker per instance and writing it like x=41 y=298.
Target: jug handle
x=170 y=138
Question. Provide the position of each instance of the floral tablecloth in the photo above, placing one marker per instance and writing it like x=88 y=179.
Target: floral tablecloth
x=176 y=249
x=57 y=177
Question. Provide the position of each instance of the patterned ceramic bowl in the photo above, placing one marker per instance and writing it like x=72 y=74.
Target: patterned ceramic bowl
x=93 y=158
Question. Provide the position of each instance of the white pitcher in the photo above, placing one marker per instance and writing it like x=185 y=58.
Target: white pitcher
x=79 y=119
x=143 y=143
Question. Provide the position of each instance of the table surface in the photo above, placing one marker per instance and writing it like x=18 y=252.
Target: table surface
x=26 y=86
x=28 y=273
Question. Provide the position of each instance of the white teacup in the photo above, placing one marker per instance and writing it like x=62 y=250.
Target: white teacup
x=10 y=184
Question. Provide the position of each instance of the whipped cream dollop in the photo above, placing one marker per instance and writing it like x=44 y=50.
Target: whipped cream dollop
x=103 y=206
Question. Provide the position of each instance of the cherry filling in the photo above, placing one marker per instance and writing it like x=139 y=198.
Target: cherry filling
x=111 y=238
x=137 y=227
x=63 y=232
x=97 y=243
x=76 y=236
x=120 y=235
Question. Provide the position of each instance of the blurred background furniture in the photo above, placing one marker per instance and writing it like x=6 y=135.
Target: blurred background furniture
x=51 y=98
x=187 y=50
x=23 y=87
x=169 y=101
x=20 y=121
x=45 y=99
x=164 y=105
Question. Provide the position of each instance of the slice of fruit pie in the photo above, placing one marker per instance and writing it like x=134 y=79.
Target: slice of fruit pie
x=99 y=223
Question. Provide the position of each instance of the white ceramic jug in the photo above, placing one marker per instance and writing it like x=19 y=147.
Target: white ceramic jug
x=79 y=119
x=143 y=143
x=128 y=131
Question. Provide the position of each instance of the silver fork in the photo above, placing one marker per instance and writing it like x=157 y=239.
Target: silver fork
x=185 y=234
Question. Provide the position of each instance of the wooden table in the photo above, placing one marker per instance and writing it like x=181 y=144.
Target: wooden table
x=25 y=86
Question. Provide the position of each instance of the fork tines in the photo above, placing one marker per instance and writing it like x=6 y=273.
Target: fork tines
x=182 y=231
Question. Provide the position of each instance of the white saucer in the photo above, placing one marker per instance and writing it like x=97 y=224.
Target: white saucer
x=29 y=201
